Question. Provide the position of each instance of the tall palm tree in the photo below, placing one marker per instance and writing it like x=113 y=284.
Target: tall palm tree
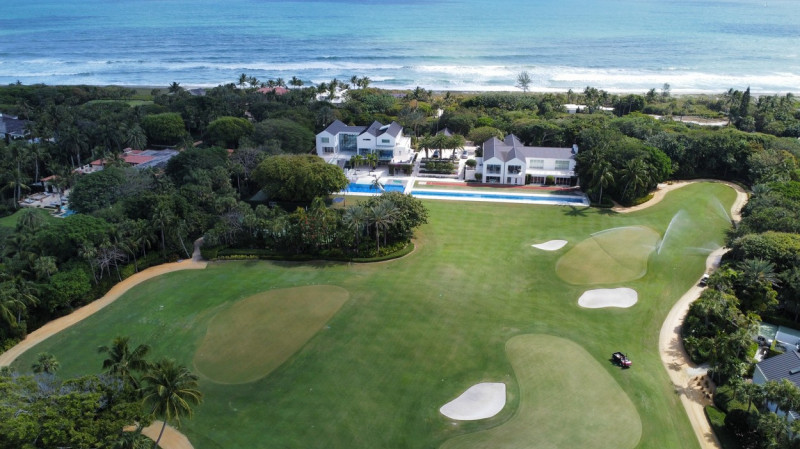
x=355 y=219
x=372 y=159
x=752 y=393
x=382 y=215
x=45 y=363
x=122 y=362
x=602 y=176
x=175 y=87
x=135 y=137
x=296 y=82
x=242 y=80
x=634 y=175
x=170 y=391
x=10 y=304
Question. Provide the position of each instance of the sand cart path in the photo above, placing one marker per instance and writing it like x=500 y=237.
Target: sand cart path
x=681 y=370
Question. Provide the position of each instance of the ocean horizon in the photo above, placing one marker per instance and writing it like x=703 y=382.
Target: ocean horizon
x=696 y=46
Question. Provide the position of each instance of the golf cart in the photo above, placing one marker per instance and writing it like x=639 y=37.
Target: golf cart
x=621 y=359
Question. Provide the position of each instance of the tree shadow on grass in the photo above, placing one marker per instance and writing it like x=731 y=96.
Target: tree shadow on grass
x=573 y=211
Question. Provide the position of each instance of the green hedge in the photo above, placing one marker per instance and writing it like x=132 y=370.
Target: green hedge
x=716 y=418
x=398 y=250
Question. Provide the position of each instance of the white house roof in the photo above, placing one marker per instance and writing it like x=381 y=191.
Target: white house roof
x=512 y=148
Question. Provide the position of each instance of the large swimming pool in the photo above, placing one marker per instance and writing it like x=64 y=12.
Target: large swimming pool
x=369 y=188
x=484 y=196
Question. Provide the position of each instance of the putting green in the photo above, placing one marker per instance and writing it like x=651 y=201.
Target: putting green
x=567 y=400
x=614 y=255
x=248 y=340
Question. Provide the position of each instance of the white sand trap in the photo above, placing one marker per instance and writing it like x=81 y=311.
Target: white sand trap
x=552 y=245
x=608 y=297
x=480 y=401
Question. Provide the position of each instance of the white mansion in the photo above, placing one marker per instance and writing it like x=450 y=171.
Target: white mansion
x=339 y=142
x=509 y=161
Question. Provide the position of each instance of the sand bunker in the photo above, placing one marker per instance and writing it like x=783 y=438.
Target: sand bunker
x=608 y=297
x=552 y=245
x=480 y=401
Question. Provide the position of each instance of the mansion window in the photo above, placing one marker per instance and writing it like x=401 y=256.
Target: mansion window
x=327 y=149
x=494 y=169
x=536 y=163
x=325 y=139
x=348 y=142
x=562 y=165
x=514 y=169
x=386 y=141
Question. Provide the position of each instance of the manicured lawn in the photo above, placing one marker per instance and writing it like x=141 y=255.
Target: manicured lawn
x=11 y=220
x=418 y=331
x=252 y=337
x=561 y=387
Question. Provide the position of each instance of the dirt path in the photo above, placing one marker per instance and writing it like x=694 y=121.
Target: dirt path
x=172 y=438
x=687 y=377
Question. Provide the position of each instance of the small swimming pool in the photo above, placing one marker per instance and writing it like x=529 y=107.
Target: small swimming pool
x=369 y=188
x=482 y=196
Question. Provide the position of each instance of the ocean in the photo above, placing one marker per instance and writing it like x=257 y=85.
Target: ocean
x=696 y=46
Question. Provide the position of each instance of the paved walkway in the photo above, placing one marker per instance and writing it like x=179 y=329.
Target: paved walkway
x=684 y=374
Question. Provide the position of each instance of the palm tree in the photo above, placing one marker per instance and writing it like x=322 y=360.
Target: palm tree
x=135 y=137
x=242 y=80
x=752 y=393
x=634 y=174
x=759 y=271
x=356 y=218
x=175 y=87
x=602 y=176
x=296 y=82
x=9 y=305
x=382 y=215
x=45 y=363
x=372 y=159
x=426 y=143
x=122 y=361
x=163 y=217
x=170 y=390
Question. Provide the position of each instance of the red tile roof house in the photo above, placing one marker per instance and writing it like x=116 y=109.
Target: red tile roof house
x=276 y=90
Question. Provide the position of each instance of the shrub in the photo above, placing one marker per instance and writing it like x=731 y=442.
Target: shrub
x=550 y=180
x=472 y=163
x=478 y=176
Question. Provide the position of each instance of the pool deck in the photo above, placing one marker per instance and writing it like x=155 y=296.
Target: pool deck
x=459 y=190
x=501 y=197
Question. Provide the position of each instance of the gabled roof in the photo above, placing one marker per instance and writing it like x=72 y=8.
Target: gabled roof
x=446 y=131
x=375 y=129
x=394 y=129
x=338 y=127
x=511 y=147
x=783 y=366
